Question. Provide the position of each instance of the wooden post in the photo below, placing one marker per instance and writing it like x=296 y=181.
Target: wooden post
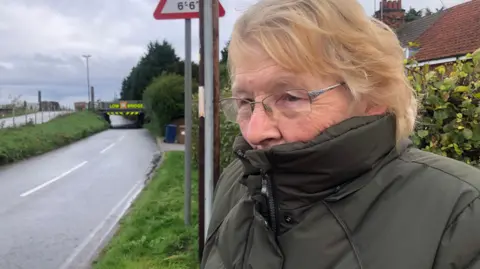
x=216 y=94
x=201 y=143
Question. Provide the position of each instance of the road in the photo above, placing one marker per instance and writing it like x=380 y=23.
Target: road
x=37 y=118
x=56 y=209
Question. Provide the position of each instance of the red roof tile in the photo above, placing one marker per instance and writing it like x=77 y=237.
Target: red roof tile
x=456 y=33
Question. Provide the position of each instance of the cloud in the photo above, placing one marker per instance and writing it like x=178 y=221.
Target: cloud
x=43 y=42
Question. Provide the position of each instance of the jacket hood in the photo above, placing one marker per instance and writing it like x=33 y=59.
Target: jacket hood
x=309 y=170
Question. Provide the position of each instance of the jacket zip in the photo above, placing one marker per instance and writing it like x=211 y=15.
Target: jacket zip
x=267 y=192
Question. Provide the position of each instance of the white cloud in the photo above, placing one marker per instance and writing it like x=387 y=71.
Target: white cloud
x=42 y=42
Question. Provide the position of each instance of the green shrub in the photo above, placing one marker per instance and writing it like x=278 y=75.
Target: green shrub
x=164 y=101
x=449 y=111
x=31 y=140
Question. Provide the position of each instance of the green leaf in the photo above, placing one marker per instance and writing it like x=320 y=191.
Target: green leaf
x=462 y=89
x=422 y=133
x=457 y=149
x=476 y=133
x=440 y=115
x=467 y=133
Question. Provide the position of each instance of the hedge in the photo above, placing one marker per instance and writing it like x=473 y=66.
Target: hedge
x=448 y=115
x=449 y=98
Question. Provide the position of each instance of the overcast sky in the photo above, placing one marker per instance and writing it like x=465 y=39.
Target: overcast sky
x=42 y=42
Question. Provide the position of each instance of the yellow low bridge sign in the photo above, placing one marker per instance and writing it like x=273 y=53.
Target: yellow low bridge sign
x=125 y=105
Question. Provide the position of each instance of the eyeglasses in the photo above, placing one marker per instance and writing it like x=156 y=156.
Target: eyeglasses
x=288 y=104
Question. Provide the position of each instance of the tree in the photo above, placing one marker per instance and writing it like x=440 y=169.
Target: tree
x=164 y=100
x=224 y=53
x=427 y=12
x=158 y=59
x=412 y=14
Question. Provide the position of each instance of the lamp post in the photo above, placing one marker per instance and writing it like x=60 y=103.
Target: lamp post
x=87 y=56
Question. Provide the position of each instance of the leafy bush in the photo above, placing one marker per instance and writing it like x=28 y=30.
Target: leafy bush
x=31 y=140
x=449 y=112
x=164 y=101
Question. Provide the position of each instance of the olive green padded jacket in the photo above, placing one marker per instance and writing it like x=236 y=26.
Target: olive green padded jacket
x=351 y=198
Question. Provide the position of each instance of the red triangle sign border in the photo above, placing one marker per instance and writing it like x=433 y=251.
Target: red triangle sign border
x=159 y=15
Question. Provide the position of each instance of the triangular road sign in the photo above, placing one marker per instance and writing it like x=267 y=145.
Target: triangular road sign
x=181 y=9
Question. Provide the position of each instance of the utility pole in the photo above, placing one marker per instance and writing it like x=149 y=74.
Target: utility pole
x=87 y=56
x=201 y=137
x=92 y=97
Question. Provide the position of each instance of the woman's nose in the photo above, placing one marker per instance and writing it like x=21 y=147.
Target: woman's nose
x=261 y=127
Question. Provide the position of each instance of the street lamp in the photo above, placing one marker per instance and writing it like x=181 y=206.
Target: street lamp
x=88 y=79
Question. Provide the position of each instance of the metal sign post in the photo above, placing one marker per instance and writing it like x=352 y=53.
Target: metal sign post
x=188 y=119
x=209 y=121
x=187 y=10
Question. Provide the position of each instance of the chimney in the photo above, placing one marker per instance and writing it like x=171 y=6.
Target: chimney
x=391 y=13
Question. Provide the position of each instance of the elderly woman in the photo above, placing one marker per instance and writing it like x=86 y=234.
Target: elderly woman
x=326 y=176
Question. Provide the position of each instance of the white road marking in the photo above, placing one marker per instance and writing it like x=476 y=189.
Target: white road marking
x=121 y=138
x=39 y=187
x=78 y=250
x=107 y=148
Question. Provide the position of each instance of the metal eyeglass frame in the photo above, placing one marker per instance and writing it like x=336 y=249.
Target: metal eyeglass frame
x=311 y=94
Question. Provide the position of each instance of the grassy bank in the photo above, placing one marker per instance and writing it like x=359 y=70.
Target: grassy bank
x=153 y=234
x=30 y=140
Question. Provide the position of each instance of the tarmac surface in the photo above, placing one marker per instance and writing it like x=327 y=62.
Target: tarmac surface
x=58 y=208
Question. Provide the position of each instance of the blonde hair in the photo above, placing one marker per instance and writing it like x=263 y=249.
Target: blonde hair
x=330 y=38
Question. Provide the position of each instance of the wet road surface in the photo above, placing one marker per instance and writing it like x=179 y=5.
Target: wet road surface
x=37 y=118
x=56 y=209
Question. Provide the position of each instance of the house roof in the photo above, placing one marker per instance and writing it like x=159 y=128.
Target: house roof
x=456 y=32
x=411 y=31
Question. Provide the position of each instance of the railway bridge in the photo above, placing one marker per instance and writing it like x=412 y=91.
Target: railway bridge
x=130 y=109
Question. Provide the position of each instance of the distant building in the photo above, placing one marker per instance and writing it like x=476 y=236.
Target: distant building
x=80 y=106
x=50 y=106
x=33 y=106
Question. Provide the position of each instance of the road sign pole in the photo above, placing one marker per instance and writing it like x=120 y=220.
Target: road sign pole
x=181 y=9
x=209 y=120
x=188 y=119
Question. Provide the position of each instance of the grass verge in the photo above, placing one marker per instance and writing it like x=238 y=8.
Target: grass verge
x=31 y=140
x=153 y=233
